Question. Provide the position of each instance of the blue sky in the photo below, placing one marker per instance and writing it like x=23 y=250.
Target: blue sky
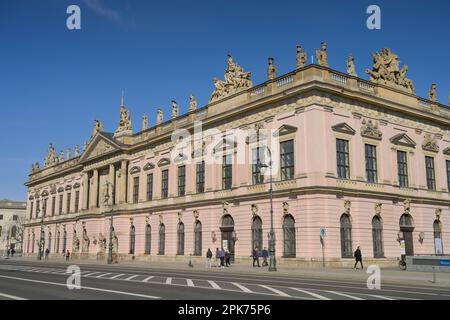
x=54 y=82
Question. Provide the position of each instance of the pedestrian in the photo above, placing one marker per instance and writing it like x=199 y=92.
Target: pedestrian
x=264 y=255
x=12 y=252
x=209 y=255
x=222 y=258
x=8 y=253
x=255 y=255
x=216 y=262
x=358 y=258
x=227 y=258
x=67 y=255
x=47 y=251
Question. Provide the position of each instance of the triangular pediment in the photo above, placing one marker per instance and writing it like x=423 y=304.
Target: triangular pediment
x=224 y=145
x=163 y=162
x=446 y=151
x=343 y=128
x=99 y=146
x=180 y=158
x=284 y=130
x=135 y=169
x=402 y=139
x=149 y=166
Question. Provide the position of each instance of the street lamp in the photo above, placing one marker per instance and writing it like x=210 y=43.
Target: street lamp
x=111 y=227
x=41 y=240
x=272 y=258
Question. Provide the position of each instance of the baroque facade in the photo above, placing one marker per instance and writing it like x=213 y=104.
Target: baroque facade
x=12 y=218
x=368 y=162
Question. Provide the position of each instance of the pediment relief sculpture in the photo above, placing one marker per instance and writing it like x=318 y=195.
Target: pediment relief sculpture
x=370 y=129
x=76 y=185
x=124 y=122
x=284 y=130
x=44 y=193
x=68 y=187
x=135 y=169
x=163 y=162
x=402 y=139
x=386 y=70
x=97 y=148
x=236 y=80
x=51 y=158
x=430 y=143
x=343 y=128
x=148 y=166
x=60 y=189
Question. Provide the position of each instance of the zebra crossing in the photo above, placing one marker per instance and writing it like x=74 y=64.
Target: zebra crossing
x=248 y=288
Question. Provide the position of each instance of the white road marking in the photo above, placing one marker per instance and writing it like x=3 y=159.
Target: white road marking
x=214 y=285
x=132 y=277
x=169 y=281
x=121 y=274
x=102 y=275
x=240 y=286
x=190 y=283
x=148 y=278
x=315 y=295
x=345 y=295
x=381 y=297
x=281 y=293
x=85 y=288
x=11 y=296
x=90 y=274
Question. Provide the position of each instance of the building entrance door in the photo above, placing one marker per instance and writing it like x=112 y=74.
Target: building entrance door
x=407 y=228
x=227 y=230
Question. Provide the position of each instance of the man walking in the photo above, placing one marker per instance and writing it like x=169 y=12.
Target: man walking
x=222 y=258
x=358 y=258
x=209 y=255
x=265 y=255
x=256 y=257
x=67 y=255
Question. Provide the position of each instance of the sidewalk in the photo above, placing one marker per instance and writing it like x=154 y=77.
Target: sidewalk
x=392 y=276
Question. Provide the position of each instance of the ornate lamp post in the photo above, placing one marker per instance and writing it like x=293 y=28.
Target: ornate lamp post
x=111 y=227
x=272 y=258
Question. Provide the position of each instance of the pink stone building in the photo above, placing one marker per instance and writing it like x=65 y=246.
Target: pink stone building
x=368 y=162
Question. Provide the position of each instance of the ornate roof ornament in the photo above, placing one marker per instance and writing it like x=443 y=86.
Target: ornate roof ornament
x=36 y=167
x=69 y=154
x=77 y=151
x=192 y=103
x=144 y=122
x=159 y=116
x=61 y=156
x=430 y=143
x=98 y=127
x=301 y=57
x=321 y=54
x=124 y=127
x=175 y=109
x=386 y=70
x=50 y=159
x=32 y=168
x=271 y=69
x=235 y=80
x=432 y=94
x=351 y=69
x=370 y=130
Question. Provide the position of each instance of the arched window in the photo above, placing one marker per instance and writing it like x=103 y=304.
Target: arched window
x=58 y=236
x=132 y=239
x=227 y=221
x=64 y=241
x=32 y=243
x=198 y=239
x=49 y=242
x=162 y=239
x=346 y=236
x=180 y=246
x=13 y=232
x=148 y=239
x=406 y=220
x=257 y=237
x=377 y=236
x=289 y=249
x=437 y=230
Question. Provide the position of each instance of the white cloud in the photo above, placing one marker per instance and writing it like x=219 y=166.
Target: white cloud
x=102 y=10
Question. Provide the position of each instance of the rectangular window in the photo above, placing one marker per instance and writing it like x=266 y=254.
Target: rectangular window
x=448 y=174
x=53 y=205
x=60 y=203
x=402 y=167
x=227 y=174
x=69 y=198
x=431 y=179
x=15 y=217
x=287 y=160
x=342 y=158
x=257 y=161
x=37 y=208
x=1 y=216
x=371 y=163
x=77 y=200
x=135 y=189
x=200 y=177
x=181 y=180
x=165 y=184
x=149 y=186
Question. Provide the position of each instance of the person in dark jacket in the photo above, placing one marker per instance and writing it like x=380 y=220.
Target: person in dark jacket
x=227 y=258
x=209 y=255
x=255 y=255
x=358 y=258
x=222 y=258
x=265 y=255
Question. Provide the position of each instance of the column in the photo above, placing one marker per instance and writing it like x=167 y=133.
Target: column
x=94 y=191
x=85 y=188
x=111 y=179
x=123 y=182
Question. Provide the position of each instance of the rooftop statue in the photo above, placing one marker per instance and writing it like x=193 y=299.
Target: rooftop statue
x=77 y=151
x=322 y=57
x=235 y=80
x=51 y=158
x=125 y=120
x=192 y=103
x=271 y=70
x=386 y=70
x=144 y=122
x=351 y=70
x=175 y=109
x=98 y=127
x=160 y=116
x=32 y=168
x=301 y=57
x=61 y=156
x=432 y=94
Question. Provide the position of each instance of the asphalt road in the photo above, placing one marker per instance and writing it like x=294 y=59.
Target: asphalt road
x=34 y=280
